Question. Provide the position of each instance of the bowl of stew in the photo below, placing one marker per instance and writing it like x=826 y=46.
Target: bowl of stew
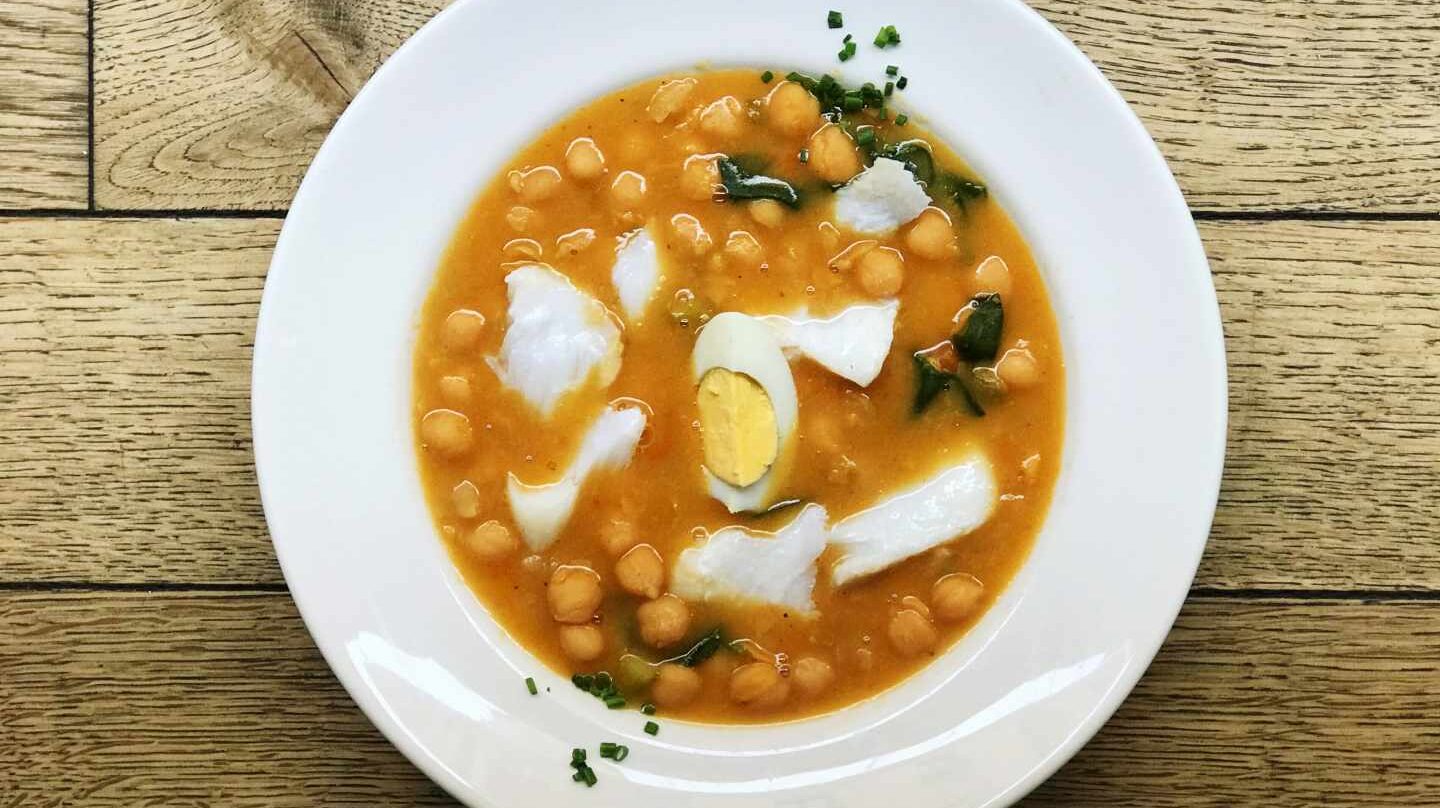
x=784 y=405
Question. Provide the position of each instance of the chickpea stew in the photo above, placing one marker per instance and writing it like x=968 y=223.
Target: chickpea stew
x=743 y=397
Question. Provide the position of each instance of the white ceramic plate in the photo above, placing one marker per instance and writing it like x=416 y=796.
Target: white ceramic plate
x=987 y=722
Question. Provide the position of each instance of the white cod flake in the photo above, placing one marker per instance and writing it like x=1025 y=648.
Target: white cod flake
x=636 y=273
x=881 y=199
x=947 y=506
x=741 y=565
x=852 y=344
x=541 y=511
x=556 y=337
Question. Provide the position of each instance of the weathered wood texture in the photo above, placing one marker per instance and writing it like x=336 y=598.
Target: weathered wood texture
x=221 y=700
x=1326 y=104
x=43 y=101
x=124 y=433
x=222 y=103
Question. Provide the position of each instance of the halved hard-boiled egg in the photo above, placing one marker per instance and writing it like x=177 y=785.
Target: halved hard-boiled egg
x=748 y=409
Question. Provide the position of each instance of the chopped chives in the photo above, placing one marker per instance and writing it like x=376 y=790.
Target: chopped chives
x=652 y=728
x=865 y=136
x=578 y=776
x=577 y=755
x=614 y=702
x=847 y=52
x=835 y=19
x=603 y=681
x=767 y=76
x=621 y=752
x=590 y=778
x=647 y=708
x=904 y=80
x=887 y=36
x=889 y=87
x=607 y=749
x=901 y=119
x=804 y=155
x=794 y=75
x=530 y=686
x=848 y=37
x=583 y=680
x=892 y=70
x=853 y=103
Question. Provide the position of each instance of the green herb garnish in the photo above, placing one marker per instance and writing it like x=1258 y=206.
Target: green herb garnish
x=847 y=52
x=835 y=19
x=701 y=650
x=958 y=190
x=902 y=119
x=978 y=340
x=652 y=728
x=892 y=70
x=740 y=184
x=887 y=37
x=937 y=370
x=530 y=686
x=916 y=156
x=768 y=76
x=889 y=88
x=901 y=83
x=647 y=708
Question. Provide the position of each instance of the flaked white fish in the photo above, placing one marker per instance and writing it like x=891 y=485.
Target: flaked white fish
x=852 y=344
x=952 y=503
x=541 y=511
x=556 y=337
x=743 y=565
x=636 y=273
x=879 y=200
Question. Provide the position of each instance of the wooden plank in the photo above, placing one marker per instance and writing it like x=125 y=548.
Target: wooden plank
x=1258 y=104
x=125 y=380
x=221 y=700
x=1323 y=104
x=214 y=104
x=43 y=104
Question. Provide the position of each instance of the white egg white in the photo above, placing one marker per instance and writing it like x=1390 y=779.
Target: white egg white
x=879 y=200
x=542 y=510
x=745 y=344
x=951 y=503
x=636 y=273
x=555 y=338
x=852 y=344
x=738 y=564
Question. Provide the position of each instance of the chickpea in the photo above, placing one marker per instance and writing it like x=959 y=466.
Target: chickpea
x=812 y=676
x=465 y=498
x=517 y=248
x=688 y=230
x=759 y=686
x=743 y=250
x=911 y=633
x=583 y=643
x=675 y=685
x=491 y=541
x=641 y=572
x=536 y=185
x=521 y=218
x=723 y=119
x=574 y=594
x=455 y=390
x=931 y=236
x=699 y=178
x=956 y=596
x=993 y=276
x=584 y=160
x=627 y=192
x=669 y=97
x=881 y=272
x=1018 y=369
x=617 y=536
x=447 y=432
x=833 y=156
x=792 y=109
x=574 y=242
x=663 y=621
x=462 y=329
x=767 y=212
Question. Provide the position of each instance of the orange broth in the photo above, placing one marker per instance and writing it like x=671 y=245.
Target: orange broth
x=855 y=445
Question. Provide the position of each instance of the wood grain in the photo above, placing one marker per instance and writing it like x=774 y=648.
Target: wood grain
x=221 y=700
x=222 y=103
x=1314 y=104
x=43 y=104
x=125 y=435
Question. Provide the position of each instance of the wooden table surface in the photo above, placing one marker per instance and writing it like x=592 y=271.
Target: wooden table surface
x=149 y=651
